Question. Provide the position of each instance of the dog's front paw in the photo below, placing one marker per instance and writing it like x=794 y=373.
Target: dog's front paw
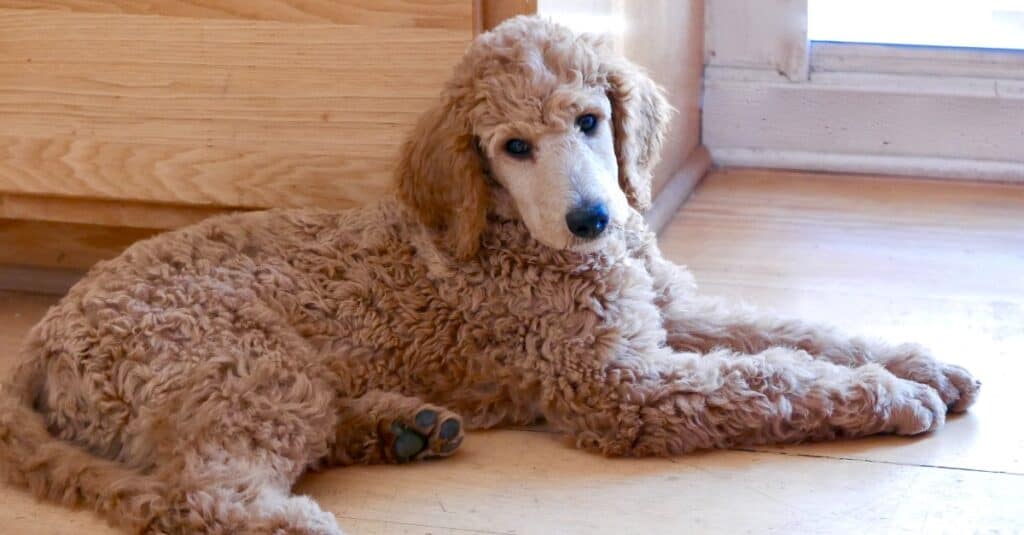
x=913 y=408
x=955 y=385
x=966 y=385
x=894 y=405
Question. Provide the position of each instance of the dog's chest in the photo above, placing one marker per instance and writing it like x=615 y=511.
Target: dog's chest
x=402 y=314
x=395 y=306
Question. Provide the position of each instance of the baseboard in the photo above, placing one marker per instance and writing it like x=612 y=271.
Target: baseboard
x=38 y=280
x=879 y=164
x=678 y=188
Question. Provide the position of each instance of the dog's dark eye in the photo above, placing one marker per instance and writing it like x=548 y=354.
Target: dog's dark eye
x=587 y=123
x=517 y=147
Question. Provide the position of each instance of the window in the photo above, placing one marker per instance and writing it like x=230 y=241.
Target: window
x=948 y=23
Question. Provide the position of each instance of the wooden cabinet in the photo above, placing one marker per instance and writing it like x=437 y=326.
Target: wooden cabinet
x=137 y=116
x=231 y=103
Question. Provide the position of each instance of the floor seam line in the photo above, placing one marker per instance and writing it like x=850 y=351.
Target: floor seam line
x=418 y=525
x=878 y=461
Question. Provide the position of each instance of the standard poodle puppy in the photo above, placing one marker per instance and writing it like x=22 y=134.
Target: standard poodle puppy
x=184 y=386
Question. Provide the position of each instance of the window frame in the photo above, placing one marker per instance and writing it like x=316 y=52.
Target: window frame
x=774 y=99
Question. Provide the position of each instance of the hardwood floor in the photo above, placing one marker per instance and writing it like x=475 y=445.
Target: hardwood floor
x=937 y=262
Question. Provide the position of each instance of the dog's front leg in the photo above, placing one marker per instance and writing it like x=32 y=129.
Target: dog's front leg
x=683 y=402
x=703 y=324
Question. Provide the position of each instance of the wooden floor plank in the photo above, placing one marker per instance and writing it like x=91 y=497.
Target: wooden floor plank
x=934 y=262
x=521 y=482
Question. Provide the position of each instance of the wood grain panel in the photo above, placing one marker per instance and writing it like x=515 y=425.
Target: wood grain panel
x=770 y=36
x=490 y=13
x=448 y=14
x=99 y=212
x=179 y=110
x=233 y=177
x=271 y=86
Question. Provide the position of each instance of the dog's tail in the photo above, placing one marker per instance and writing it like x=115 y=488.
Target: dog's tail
x=62 y=472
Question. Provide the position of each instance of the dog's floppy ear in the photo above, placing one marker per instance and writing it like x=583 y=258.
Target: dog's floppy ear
x=640 y=116
x=441 y=176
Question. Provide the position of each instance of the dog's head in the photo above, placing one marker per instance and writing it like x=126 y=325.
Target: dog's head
x=538 y=124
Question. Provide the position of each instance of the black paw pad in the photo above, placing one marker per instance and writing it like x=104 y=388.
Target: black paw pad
x=450 y=429
x=449 y=447
x=426 y=418
x=408 y=443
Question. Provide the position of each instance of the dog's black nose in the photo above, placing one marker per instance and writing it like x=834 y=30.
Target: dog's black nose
x=588 y=221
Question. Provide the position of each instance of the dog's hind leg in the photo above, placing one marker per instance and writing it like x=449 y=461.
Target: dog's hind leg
x=703 y=324
x=259 y=409
x=231 y=464
x=221 y=490
x=387 y=427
